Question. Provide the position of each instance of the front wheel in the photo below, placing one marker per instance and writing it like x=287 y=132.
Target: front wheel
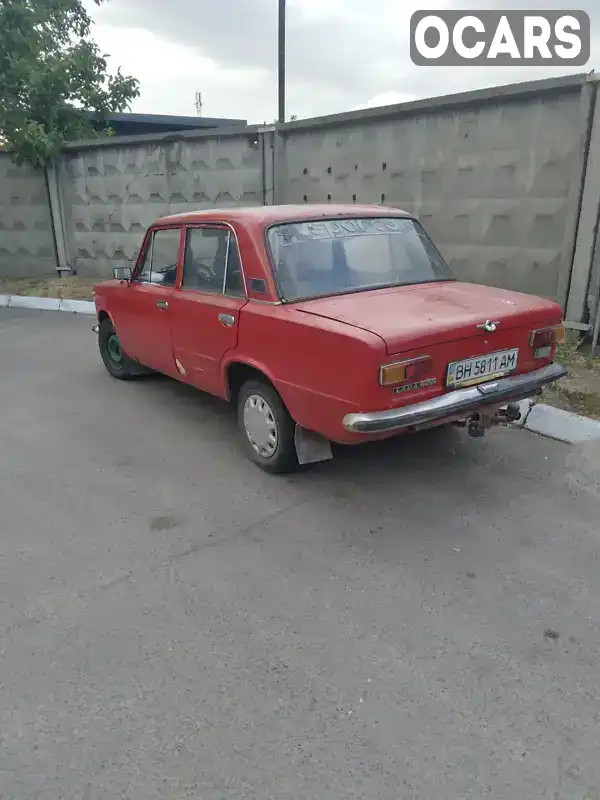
x=116 y=361
x=267 y=428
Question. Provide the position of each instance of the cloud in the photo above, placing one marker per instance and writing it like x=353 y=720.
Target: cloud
x=341 y=54
x=170 y=74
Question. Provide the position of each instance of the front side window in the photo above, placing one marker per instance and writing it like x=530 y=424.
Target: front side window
x=328 y=257
x=159 y=264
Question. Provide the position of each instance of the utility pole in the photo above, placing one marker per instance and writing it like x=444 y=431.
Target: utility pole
x=198 y=103
x=281 y=62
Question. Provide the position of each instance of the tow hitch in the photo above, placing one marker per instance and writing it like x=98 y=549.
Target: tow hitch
x=477 y=424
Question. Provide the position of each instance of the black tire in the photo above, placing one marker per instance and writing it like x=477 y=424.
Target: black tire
x=283 y=458
x=116 y=361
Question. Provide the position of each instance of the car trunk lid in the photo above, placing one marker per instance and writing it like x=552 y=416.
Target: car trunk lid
x=410 y=318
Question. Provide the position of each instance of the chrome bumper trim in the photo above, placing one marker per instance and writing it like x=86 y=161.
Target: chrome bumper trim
x=460 y=401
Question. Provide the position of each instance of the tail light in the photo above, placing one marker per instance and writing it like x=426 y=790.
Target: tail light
x=544 y=339
x=402 y=371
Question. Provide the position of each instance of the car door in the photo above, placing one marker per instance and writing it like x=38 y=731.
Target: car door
x=144 y=330
x=205 y=310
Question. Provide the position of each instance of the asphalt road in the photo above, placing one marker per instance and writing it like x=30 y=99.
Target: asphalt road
x=414 y=620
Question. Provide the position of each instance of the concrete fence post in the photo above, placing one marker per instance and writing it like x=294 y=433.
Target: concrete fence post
x=266 y=138
x=280 y=173
x=579 y=305
x=57 y=216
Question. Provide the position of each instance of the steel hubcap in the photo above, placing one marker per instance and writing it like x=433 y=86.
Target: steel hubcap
x=113 y=348
x=260 y=425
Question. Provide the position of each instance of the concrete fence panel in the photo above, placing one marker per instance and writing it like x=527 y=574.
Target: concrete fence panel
x=112 y=193
x=26 y=239
x=495 y=178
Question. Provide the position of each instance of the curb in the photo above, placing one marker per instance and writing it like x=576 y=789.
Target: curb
x=558 y=424
x=47 y=304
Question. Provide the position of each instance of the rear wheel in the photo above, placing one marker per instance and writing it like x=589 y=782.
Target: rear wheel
x=116 y=361
x=267 y=428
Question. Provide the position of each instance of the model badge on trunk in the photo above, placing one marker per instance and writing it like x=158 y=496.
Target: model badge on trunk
x=409 y=387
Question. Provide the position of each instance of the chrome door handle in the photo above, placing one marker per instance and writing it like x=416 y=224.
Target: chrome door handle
x=227 y=319
x=162 y=304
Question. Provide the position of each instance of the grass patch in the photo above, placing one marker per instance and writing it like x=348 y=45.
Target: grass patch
x=68 y=287
x=580 y=390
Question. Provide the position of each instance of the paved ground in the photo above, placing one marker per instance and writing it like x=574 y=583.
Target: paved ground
x=417 y=620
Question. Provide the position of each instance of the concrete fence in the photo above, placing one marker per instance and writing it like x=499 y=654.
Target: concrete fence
x=507 y=181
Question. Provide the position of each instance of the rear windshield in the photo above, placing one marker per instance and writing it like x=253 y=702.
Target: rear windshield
x=326 y=257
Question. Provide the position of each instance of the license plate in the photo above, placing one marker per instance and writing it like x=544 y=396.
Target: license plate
x=482 y=368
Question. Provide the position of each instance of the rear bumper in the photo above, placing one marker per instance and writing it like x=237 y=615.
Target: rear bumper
x=456 y=403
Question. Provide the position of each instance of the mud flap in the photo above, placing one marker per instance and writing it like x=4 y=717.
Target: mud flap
x=311 y=447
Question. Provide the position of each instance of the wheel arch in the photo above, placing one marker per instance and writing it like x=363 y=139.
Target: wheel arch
x=238 y=372
x=284 y=457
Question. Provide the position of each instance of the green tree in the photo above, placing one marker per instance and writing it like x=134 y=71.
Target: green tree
x=51 y=73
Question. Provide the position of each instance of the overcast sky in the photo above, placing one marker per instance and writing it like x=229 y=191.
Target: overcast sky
x=341 y=54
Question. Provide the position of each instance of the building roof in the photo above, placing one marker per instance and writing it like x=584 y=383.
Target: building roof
x=132 y=124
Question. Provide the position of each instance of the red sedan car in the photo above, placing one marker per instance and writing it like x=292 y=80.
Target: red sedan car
x=334 y=323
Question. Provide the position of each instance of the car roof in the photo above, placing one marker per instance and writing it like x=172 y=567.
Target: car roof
x=269 y=215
